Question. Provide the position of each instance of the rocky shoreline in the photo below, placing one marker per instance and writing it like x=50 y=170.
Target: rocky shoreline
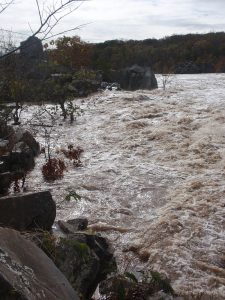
x=36 y=260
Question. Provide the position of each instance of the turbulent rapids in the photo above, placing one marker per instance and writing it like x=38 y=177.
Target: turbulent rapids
x=152 y=179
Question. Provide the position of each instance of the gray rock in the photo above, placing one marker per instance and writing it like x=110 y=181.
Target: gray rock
x=72 y=226
x=5 y=181
x=28 y=211
x=3 y=146
x=20 y=159
x=85 y=260
x=31 y=48
x=135 y=78
x=131 y=288
x=7 y=134
x=26 y=273
x=27 y=139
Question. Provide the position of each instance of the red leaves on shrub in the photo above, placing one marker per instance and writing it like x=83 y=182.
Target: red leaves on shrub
x=53 y=169
x=73 y=154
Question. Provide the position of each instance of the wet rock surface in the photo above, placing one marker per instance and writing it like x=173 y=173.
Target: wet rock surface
x=72 y=226
x=18 y=149
x=26 y=272
x=85 y=259
x=28 y=211
x=127 y=287
x=5 y=182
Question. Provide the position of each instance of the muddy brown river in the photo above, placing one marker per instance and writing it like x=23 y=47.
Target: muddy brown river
x=152 y=179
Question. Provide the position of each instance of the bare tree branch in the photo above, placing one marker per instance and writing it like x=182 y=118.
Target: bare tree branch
x=49 y=18
x=5 y=5
x=66 y=31
x=39 y=11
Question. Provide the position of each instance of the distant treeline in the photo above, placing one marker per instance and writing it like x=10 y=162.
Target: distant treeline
x=191 y=53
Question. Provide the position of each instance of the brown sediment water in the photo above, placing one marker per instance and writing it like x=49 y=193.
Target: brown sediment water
x=152 y=179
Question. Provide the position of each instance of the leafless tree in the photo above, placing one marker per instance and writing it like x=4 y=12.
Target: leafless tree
x=49 y=17
x=5 y=4
x=167 y=78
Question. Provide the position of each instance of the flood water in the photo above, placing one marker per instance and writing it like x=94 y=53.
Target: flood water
x=152 y=178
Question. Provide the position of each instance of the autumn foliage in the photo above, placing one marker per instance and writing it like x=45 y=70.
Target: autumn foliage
x=74 y=154
x=70 y=52
x=53 y=169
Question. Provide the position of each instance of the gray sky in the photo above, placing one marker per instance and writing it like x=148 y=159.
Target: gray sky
x=126 y=19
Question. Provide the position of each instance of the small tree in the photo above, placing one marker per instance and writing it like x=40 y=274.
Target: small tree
x=71 y=52
x=167 y=78
x=73 y=111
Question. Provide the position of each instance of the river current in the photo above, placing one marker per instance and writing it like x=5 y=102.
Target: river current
x=152 y=178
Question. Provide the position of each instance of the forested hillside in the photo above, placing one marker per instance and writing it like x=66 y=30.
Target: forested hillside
x=192 y=53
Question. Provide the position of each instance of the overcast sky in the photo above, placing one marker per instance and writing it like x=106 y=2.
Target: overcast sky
x=126 y=19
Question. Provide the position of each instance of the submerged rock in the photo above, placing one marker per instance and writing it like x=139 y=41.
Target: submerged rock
x=127 y=287
x=28 y=211
x=26 y=272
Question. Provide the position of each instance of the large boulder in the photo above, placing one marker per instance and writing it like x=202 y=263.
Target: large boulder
x=26 y=272
x=17 y=149
x=20 y=159
x=31 y=48
x=135 y=78
x=28 y=211
x=27 y=139
x=84 y=259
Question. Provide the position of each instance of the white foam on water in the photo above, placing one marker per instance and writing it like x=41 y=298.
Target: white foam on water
x=153 y=166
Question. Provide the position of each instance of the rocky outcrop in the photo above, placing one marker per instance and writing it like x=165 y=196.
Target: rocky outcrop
x=135 y=78
x=31 y=48
x=26 y=272
x=28 y=211
x=27 y=140
x=18 y=149
x=85 y=260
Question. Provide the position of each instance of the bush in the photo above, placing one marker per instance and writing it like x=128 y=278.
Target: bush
x=53 y=169
x=73 y=154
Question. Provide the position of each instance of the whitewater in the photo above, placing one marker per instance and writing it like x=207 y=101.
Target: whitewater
x=152 y=178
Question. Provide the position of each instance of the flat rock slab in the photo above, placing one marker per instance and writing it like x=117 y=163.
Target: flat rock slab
x=26 y=272
x=28 y=211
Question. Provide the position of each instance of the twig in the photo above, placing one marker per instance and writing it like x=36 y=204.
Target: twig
x=46 y=25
